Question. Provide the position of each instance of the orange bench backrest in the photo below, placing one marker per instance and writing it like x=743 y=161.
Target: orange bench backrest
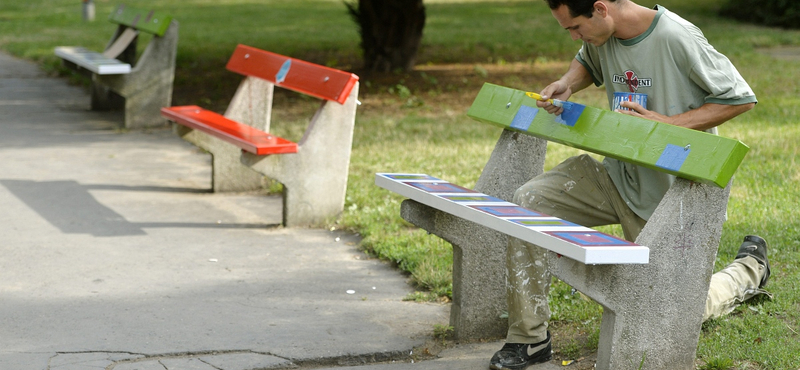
x=293 y=74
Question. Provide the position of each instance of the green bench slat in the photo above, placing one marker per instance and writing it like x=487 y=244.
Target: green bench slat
x=143 y=20
x=690 y=154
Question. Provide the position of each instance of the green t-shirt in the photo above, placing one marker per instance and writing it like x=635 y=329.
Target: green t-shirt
x=673 y=63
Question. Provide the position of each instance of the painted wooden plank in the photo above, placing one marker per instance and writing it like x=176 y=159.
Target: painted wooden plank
x=143 y=20
x=691 y=154
x=246 y=137
x=122 y=42
x=565 y=238
x=293 y=74
x=92 y=61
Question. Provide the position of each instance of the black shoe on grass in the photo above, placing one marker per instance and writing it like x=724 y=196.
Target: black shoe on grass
x=518 y=356
x=756 y=247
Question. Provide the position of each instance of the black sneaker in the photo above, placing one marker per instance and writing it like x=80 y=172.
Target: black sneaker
x=518 y=356
x=756 y=247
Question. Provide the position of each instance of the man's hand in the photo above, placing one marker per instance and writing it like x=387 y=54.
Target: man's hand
x=703 y=118
x=575 y=79
x=556 y=90
x=637 y=110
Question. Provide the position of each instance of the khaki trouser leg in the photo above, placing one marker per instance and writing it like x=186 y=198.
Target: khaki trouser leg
x=578 y=190
x=733 y=285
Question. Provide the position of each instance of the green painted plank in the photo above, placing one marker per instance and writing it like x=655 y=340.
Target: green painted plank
x=691 y=154
x=142 y=20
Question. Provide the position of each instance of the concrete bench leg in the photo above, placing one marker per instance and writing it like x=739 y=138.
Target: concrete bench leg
x=479 y=253
x=227 y=173
x=653 y=313
x=314 y=178
x=251 y=105
x=479 y=294
x=103 y=98
x=147 y=88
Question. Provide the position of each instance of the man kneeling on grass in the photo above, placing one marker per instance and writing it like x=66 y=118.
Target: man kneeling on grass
x=630 y=48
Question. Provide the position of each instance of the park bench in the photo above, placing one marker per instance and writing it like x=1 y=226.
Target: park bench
x=121 y=81
x=314 y=170
x=653 y=303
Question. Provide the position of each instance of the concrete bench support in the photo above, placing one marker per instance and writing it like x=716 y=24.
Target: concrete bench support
x=479 y=253
x=315 y=178
x=144 y=90
x=652 y=312
x=251 y=105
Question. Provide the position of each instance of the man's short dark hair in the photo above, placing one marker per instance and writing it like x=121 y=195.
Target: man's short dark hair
x=576 y=7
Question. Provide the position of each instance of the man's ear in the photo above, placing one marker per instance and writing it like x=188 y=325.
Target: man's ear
x=601 y=8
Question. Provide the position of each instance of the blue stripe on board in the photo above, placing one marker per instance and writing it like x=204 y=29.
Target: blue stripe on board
x=524 y=117
x=672 y=157
x=571 y=113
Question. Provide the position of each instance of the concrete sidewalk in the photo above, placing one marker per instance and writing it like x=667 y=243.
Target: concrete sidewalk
x=115 y=255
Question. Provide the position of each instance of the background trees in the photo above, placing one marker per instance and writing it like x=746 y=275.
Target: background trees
x=780 y=13
x=391 y=32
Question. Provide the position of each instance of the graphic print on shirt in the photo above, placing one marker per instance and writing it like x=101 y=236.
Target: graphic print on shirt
x=632 y=80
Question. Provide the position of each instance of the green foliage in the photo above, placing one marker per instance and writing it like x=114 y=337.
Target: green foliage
x=718 y=363
x=419 y=296
x=571 y=349
x=779 y=13
x=442 y=332
x=568 y=305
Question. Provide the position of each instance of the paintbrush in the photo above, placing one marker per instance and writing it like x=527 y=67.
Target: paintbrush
x=570 y=113
x=556 y=102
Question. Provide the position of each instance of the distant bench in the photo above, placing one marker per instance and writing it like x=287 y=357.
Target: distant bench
x=120 y=81
x=652 y=311
x=314 y=170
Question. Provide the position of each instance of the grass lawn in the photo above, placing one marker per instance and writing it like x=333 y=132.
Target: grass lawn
x=416 y=122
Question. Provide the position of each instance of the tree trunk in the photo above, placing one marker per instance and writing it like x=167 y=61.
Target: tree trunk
x=391 y=32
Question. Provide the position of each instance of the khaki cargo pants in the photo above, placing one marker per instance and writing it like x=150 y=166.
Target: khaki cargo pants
x=580 y=190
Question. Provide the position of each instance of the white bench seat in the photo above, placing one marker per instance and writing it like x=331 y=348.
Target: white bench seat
x=568 y=239
x=92 y=61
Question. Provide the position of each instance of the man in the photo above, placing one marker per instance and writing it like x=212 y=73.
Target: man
x=626 y=47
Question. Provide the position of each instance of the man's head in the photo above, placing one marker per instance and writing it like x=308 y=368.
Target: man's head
x=578 y=17
x=576 y=7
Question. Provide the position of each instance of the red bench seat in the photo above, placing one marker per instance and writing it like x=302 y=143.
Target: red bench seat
x=248 y=138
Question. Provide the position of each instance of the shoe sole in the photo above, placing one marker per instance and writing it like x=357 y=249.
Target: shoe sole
x=537 y=361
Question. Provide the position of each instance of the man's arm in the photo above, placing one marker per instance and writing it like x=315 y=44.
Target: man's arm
x=575 y=79
x=703 y=118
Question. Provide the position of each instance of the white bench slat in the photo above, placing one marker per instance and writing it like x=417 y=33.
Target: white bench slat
x=565 y=238
x=92 y=61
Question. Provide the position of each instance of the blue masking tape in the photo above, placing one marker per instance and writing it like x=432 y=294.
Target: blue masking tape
x=672 y=157
x=570 y=114
x=281 y=76
x=524 y=118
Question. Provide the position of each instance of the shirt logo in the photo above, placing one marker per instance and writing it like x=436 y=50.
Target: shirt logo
x=632 y=80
